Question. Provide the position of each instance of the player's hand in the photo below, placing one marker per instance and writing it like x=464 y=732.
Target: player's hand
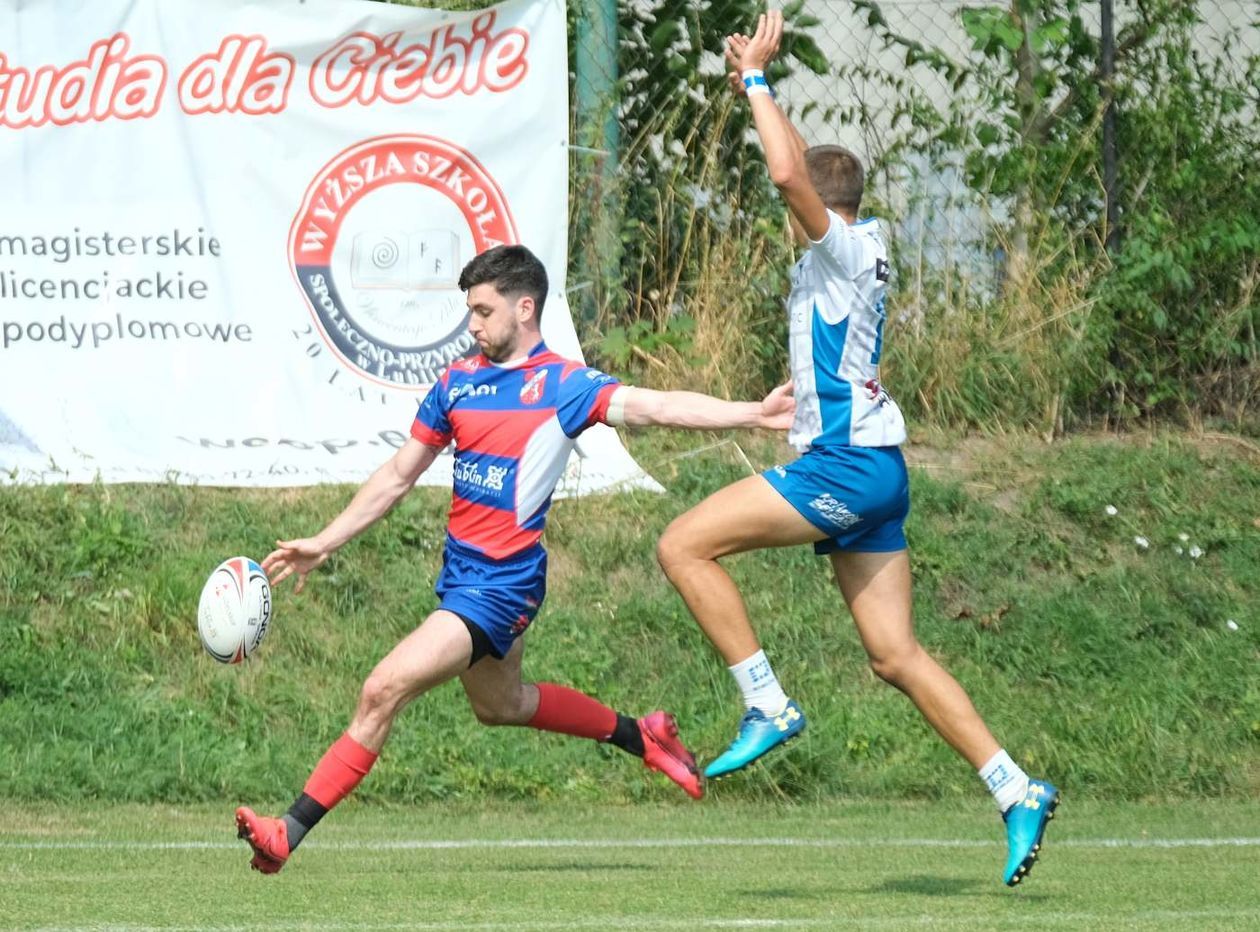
x=778 y=409
x=294 y=556
x=764 y=44
x=734 y=48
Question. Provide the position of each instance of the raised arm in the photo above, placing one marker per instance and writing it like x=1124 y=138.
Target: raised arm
x=783 y=145
x=735 y=45
x=382 y=491
x=643 y=407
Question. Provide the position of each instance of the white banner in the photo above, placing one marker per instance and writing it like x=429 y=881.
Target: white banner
x=230 y=232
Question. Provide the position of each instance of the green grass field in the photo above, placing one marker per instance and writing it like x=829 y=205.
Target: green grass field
x=713 y=865
x=1119 y=672
x=1123 y=671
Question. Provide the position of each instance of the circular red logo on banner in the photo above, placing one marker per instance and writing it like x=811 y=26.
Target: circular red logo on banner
x=377 y=247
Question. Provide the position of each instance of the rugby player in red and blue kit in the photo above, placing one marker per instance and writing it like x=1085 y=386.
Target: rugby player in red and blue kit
x=514 y=413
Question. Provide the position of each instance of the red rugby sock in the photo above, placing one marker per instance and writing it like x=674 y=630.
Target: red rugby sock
x=339 y=771
x=572 y=713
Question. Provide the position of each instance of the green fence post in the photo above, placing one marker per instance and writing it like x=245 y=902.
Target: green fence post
x=598 y=139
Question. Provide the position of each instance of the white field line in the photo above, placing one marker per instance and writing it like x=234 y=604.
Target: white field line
x=613 y=843
x=1090 y=920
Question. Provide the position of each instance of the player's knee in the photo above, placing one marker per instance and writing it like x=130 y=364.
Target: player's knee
x=673 y=549
x=896 y=667
x=666 y=552
x=381 y=695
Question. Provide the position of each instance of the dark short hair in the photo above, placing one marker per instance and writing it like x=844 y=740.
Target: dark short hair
x=836 y=174
x=514 y=271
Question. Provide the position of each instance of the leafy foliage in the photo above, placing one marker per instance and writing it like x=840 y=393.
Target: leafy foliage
x=1163 y=323
x=1182 y=294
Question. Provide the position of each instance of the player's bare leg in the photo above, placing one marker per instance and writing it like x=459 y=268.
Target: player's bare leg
x=877 y=588
x=499 y=697
x=432 y=654
x=437 y=651
x=748 y=515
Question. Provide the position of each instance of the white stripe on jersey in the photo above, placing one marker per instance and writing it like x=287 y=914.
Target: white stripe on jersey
x=835 y=328
x=542 y=464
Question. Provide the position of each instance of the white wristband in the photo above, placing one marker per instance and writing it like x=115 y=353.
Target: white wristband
x=755 y=82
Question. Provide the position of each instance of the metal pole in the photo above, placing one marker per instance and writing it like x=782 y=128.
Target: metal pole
x=596 y=67
x=1106 y=69
x=599 y=139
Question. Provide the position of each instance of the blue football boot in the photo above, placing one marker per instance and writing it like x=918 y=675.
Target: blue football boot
x=1025 y=824
x=757 y=735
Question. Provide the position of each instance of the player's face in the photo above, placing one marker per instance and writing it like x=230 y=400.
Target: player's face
x=495 y=322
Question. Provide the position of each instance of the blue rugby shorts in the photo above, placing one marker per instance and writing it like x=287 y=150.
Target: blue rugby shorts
x=858 y=496
x=501 y=597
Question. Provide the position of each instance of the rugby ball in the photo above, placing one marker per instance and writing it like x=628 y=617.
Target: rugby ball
x=235 y=610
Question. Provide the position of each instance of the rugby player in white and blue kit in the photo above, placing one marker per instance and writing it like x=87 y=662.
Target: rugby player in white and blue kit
x=848 y=492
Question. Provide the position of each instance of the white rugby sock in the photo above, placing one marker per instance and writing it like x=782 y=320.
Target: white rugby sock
x=1005 y=780
x=759 y=685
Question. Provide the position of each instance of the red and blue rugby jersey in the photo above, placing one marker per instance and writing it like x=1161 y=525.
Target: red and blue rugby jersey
x=514 y=428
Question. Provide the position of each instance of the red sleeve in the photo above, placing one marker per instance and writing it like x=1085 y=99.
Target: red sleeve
x=427 y=435
x=599 y=410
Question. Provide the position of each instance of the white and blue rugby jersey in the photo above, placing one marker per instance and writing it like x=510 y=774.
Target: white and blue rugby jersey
x=835 y=334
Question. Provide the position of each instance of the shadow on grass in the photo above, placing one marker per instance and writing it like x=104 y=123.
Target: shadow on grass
x=580 y=866
x=921 y=885
x=780 y=893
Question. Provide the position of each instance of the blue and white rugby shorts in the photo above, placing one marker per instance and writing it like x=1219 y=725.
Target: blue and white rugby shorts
x=858 y=496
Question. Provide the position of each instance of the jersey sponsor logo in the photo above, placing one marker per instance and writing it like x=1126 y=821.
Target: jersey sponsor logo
x=834 y=512
x=381 y=280
x=883 y=271
x=469 y=473
x=532 y=390
x=469 y=390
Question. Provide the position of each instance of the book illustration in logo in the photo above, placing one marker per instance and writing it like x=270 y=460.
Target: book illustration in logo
x=427 y=259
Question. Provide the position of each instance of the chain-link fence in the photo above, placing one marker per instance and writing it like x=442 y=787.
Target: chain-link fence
x=862 y=72
x=1008 y=147
x=891 y=61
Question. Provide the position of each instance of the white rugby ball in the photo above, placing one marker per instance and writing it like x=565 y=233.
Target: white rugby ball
x=235 y=610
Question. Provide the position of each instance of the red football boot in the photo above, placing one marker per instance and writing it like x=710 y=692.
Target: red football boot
x=664 y=753
x=268 y=837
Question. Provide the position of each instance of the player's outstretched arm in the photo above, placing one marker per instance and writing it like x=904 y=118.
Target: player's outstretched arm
x=785 y=155
x=643 y=407
x=382 y=491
